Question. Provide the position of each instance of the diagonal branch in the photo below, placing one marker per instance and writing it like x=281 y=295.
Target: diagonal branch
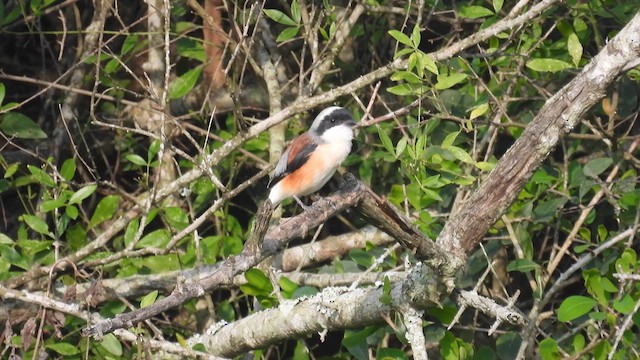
x=466 y=228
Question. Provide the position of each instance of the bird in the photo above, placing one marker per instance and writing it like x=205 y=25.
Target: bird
x=313 y=157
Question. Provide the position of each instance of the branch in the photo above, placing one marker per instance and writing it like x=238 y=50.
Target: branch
x=386 y=217
x=466 y=228
x=332 y=309
x=74 y=309
x=290 y=259
x=415 y=336
x=251 y=255
x=489 y=307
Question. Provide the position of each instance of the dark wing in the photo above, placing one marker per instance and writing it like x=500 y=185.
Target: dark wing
x=294 y=157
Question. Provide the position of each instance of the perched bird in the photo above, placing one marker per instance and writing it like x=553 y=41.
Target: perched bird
x=313 y=157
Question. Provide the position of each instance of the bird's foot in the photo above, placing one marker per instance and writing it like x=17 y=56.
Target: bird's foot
x=302 y=205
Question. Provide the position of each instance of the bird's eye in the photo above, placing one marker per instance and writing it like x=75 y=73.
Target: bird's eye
x=333 y=120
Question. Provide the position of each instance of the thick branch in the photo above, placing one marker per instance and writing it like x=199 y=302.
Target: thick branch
x=332 y=309
x=388 y=219
x=559 y=115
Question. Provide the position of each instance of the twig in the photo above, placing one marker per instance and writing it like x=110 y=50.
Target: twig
x=415 y=336
x=74 y=309
x=560 y=282
x=583 y=217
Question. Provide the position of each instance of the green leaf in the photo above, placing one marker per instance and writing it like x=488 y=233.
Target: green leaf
x=258 y=279
x=386 y=140
x=280 y=17
x=452 y=348
x=38 y=175
x=479 y=111
x=300 y=352
x=82 y=194
x=548 y=65
x=136 y=159
x=403 y=52
x=392 y=354
x=460 y=154
x=68 y=169
x=407 y=89
x=485 y=165
x=11 y=169
x=12 y=16
x=153 y=150
x=354 y=338
x=447 y=81
x=385 y=298
x=295 y=11
x=288 y=34
x=129 y=44
x=401 y=38
x=32 y=247
x=18 y=125
x=602 y=232
x=71 y=211
x=507 y=345
x=575 y=48
x=547 y=209
x=13 y=257
x=63 y=348
x=407 y=76
x=522 y=265
x=474 y=12
x=4 y=239
x=361 y=257
x=549 y=350
x=596 y=167
x=176 y=217
x=427 y=63
x=625 y=305
x=2 y=89
x=111 y=344
x=575 y=306
x=149 y=299
x=497 y=5
x=432 y=194
x=415 y=36
x=130 y=232
x=401 y=146
x=49 y=205
x=484 y=352
x=450 y=139
x=287 y=286
x=155 y=239
x=184 y=83
x=36 y=224
x=579 y=342
x=105 y=210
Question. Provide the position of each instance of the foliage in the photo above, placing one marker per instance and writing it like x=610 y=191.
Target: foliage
x=76 y=188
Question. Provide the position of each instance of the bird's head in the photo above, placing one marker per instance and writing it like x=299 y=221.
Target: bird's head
x=333 y=124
